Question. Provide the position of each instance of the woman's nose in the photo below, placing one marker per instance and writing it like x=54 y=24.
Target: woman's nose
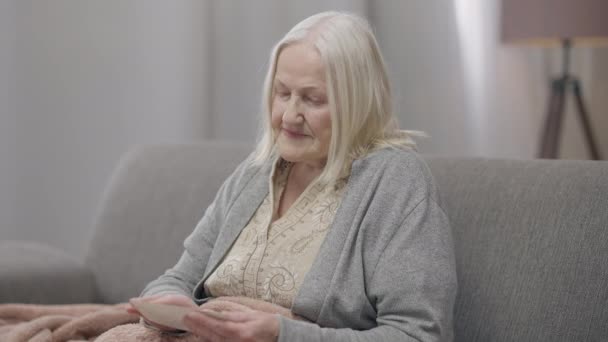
x=293 y=112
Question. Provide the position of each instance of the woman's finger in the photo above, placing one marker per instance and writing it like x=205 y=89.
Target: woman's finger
x=133 y=310
x=237 y=316
x=208 y=327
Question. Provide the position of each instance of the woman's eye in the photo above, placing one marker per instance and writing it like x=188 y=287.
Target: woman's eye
x=284 y=95
x=313 y=100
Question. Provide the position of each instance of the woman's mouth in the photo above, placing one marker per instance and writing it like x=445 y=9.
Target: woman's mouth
x=293 y=134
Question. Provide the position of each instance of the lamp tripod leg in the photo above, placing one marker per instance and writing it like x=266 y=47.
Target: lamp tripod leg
x=595 y=153
x=550 y=139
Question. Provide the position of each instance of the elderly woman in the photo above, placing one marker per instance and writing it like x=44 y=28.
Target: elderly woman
x=331 y=230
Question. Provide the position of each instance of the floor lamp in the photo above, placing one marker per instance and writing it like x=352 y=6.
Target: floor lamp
x=564 y=23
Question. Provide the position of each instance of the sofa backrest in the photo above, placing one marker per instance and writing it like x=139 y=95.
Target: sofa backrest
x=531 y=236
x=531 y=247
x=153 y=200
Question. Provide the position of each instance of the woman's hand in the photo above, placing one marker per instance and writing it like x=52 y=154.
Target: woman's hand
x=255 y=304
x=238 y=323
x=171 y=298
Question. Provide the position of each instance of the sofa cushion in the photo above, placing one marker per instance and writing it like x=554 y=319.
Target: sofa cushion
x=152 y=203
x=531 y=247
x=32 y=272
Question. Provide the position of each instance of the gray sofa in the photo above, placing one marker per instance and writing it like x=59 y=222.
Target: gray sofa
x=531 y=240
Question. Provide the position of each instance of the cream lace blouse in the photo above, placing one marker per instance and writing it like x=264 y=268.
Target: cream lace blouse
x=269 y=259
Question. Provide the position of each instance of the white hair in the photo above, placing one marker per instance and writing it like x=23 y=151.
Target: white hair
x=358 y=92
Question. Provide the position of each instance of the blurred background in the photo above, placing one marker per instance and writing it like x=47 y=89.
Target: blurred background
x=82 y=81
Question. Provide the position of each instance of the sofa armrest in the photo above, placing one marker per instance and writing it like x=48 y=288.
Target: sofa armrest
x=31 y=272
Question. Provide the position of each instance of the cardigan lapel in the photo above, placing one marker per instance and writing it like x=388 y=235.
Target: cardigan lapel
x=237 y=218
x=317 y=282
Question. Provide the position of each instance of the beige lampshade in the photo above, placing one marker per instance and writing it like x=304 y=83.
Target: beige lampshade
x=547 y=22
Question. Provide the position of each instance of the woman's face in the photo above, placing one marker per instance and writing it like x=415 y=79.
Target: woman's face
x=300 y=112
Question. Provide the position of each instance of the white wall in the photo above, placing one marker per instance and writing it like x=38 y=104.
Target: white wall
x=596 y=95
x=474 y=95
x=516 y=82
x=455 y=81
x=94 y=78
x=420 y=44
x=8 y=115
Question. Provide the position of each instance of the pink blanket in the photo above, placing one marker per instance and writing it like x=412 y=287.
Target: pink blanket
x=95 y=322
x=52 y=323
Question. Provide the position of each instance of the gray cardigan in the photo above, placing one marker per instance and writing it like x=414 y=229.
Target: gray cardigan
x=385 y=271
